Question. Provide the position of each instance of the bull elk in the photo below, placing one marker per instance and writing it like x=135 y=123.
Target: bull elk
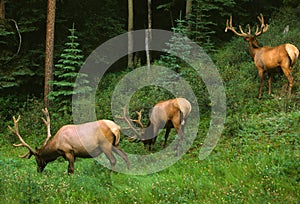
x=167 y=114
x=267 y=59
x=84 y=140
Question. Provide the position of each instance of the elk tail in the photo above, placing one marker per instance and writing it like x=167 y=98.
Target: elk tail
x=116 y=134
x=293 y=53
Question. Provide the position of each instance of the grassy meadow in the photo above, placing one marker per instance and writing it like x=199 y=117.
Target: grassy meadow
x=256 y=160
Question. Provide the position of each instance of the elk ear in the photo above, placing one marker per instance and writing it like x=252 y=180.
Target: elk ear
x=247 y=38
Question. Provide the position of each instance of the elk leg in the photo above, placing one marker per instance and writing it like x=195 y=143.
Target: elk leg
x=166 y=136
x=290 y=79
x=270 y=82
x=70 y=157
x=153 y=139
x=180 y=135
x=122 y=154
x=108 y=153
x=261 y=76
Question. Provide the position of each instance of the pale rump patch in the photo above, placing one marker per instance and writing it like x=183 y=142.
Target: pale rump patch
x=115 y=129
x=293 y=52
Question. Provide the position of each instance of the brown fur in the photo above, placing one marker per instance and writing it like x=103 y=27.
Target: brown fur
x=267 y=59
x=167 y=114
x=84 y=140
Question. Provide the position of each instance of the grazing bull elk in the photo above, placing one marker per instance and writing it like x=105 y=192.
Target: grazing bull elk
x=267 y=59
x=168 y=114
x=84 y=140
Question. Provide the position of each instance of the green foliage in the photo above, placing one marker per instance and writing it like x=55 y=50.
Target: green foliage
x=241 y=79
x=255 y=161
x=261 y=160
x=144 y=98
x=203 y=22
x=66 y=73
x=291 y=3
x=100 y=21
x=177 y=44
x=20 y=70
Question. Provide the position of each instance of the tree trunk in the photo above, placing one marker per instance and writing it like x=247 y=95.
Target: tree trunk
x=188 y=12
x=2 y=9
x=130 y=28
x=148 y=35
x=49 y=50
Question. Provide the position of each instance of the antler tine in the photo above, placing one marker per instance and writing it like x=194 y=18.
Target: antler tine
x=229 y=26
x=47 y=123
x=138 y=121
x=227 y=22
x=15 y=130
x=129 y=123
x=261 y=19
x=25 y=155
x=242 y=31
x=263 y=28
x=249 y=29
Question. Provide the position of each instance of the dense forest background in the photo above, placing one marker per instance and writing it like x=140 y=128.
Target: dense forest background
x=97 y=21
x=255 y=161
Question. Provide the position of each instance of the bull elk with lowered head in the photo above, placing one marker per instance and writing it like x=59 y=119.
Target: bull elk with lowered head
x=268 y=59
x=167 y=114
x=84 y=140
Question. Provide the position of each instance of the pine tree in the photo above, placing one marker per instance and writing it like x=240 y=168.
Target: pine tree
x=177 y=44
x=66 y=72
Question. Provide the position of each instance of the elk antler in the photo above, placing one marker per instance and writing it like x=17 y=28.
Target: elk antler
x=138 y=121
x=47 y=123
x=23 y=143
x=230 y=27
x=263 y=28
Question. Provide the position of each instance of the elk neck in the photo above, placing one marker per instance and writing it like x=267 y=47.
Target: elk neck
x=148 y=131
x=49 y=151
x=253 y=48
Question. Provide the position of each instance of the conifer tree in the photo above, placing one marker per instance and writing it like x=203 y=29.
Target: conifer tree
x=66 y=72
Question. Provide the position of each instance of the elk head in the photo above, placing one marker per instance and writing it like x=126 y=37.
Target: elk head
x=41 y=163
x=250 y=38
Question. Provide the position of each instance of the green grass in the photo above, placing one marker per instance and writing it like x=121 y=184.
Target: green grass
x=257 y=159
x=259 y=165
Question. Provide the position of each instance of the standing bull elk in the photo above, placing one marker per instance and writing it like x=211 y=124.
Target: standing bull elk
x=84 y=140
x=267 y=59
x=167 y=114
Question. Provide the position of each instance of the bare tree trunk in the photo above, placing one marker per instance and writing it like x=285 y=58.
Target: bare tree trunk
x=49 y=49
x=130 y=38
x=2 y=9
x=148 y=35
x=188 y=12
x=188 y=8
